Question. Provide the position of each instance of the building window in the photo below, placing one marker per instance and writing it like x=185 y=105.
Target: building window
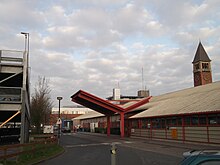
x=212 y=119
x=197 y=67
x=174 y=121
x=218 y=119
x=144 y=123
x=169 y=121
x=159 y=123
x=187 y=120
x=179 y=121
x=195 y=120
x=163 y=123
x=202 y=120
x=205 y=66
x=156 y=123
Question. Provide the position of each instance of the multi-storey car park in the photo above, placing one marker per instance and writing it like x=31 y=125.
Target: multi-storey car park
x=14 y=96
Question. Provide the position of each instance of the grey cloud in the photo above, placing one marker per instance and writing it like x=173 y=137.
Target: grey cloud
x=93 y=45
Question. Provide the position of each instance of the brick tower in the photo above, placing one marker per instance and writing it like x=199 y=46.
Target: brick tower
x=201 y=67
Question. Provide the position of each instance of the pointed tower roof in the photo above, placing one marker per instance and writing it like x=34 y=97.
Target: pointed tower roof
x=201 y=54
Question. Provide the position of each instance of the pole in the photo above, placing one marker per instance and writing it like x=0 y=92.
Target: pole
x=25 y=41
x=28 y=49
x=59 y=119
x=27 y=45
x=59 y=99
x=113 y=154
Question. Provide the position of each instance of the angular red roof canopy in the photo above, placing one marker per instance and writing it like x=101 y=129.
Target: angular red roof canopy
x=103 y=106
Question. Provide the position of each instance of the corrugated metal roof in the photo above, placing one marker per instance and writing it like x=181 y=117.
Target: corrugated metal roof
x=128 y=104
x=198 y=99
x=89 y=115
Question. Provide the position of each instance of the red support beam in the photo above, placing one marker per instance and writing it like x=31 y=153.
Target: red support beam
x=108 y=126
x=151 y=129
x=207 y=128
x=89 y=100
x=95 y=102
x=166 y=127
x=122 y=124
x=183 y=129
x=138 y=104
x=105 y=107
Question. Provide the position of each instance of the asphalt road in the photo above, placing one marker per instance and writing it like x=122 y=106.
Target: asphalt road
x=87 y=149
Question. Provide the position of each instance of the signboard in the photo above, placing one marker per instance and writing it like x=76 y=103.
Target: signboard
x=59 y=121
x=48 y=129
x=174 y=133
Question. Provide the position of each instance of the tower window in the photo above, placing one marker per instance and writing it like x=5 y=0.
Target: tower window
x=197 y=67
x=205 y=66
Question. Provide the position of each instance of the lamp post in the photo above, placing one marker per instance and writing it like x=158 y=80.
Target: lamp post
x=59 y=99
x=27 y=44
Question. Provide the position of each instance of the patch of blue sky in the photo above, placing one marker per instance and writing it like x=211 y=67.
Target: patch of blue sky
x=42 y=33
x=198 y=2
x=43 y=5
x=79 y=54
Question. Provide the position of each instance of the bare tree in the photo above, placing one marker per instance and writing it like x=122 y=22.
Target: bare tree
x=41 y=103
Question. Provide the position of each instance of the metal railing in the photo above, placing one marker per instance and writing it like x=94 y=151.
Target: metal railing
x=12 y=56
x=10 y=94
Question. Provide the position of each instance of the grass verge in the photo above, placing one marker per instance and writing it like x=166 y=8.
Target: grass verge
x=42 y=152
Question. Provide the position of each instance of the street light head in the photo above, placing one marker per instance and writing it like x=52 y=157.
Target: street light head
x=24 y=33
x=59 y=98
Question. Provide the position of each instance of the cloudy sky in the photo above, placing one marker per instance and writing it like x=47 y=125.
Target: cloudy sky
x=95 y=45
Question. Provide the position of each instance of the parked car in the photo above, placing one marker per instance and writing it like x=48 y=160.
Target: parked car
x=66 y=130
x=201 y=157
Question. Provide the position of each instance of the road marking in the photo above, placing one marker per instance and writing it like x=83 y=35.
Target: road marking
x=96 y=144
x=67 y=134
x=105 y=143
x=86 y=145
x=128 y=142
x=116 y=142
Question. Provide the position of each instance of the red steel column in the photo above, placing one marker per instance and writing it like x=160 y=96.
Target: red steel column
x=166 y=127
x=122 y=124
x=108 y=126
x=207 y=127
x=183 y=129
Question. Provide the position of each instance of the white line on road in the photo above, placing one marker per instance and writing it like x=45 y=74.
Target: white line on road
x=86 y=145
x=96 y=144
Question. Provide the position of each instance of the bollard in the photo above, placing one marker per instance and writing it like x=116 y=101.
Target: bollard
x=113 y=154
